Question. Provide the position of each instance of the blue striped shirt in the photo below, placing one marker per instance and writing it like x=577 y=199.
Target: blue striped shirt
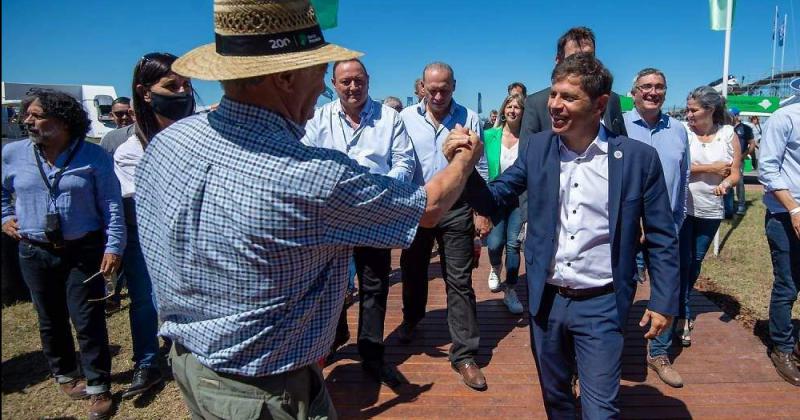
x=247 y=234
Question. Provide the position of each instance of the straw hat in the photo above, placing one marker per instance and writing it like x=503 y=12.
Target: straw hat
x=259 y=37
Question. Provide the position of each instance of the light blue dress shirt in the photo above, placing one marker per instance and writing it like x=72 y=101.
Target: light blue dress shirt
x=779 y=161
x=429 y=139
x=247 y=234
x=88 y=197
x=671 y=142
x=379 y=143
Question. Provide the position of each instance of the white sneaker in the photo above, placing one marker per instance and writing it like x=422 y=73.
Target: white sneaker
x=512 y=302
x=494 y=279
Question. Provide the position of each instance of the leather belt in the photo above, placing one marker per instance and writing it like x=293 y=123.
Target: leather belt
x=586 y=293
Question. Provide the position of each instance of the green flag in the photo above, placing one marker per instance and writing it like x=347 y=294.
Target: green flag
x=327 y=11
x=719 y=14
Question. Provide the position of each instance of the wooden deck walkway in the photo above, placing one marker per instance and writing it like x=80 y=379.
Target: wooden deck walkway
x=727 y=373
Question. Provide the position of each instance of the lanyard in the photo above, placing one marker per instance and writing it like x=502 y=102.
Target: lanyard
x=54 y=187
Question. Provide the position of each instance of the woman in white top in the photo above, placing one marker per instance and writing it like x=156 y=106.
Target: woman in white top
x=714 y=150
x=160 y=97
x=501 y=149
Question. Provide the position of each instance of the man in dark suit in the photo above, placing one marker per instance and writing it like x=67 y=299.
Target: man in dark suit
x=587 y=189
x=537 y=119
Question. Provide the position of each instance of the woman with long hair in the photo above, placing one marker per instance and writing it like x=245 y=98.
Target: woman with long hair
x=714 y=149
x=160 y=97
x=501 y=149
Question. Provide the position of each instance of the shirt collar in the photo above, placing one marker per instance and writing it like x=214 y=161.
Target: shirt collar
x=663 y=119
x=422 y=107
x=600 y=142
x=365 y=113
x=238 y=113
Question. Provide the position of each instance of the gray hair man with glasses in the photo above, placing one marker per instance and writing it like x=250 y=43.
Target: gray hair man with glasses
x=647 y=123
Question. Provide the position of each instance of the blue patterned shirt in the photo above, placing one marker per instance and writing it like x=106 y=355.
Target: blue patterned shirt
x=247 y=234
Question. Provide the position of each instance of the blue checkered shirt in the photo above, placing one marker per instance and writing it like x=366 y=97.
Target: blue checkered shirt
x=247 y=235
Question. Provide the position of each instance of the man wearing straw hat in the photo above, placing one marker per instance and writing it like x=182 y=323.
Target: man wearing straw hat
x=248 y=233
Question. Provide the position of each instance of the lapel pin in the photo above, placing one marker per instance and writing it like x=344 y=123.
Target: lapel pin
x=618 y=154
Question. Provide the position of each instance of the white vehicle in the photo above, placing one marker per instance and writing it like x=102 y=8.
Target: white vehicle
x=96 y=100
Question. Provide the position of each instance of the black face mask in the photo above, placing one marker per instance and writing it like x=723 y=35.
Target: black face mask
x=173 y=107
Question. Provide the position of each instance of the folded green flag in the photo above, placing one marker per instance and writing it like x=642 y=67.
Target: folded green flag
x=327 y=10
x=719 y=14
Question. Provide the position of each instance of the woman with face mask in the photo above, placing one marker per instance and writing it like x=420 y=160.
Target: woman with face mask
x=160 y=97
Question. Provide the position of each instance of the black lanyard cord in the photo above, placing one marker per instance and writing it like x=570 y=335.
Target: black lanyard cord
x=57 y=178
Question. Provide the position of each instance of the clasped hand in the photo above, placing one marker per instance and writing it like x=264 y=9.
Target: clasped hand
x=462 y=143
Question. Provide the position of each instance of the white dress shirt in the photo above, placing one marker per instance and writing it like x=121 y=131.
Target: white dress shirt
x=379 y=143
x=583 y=256
x=126 y=159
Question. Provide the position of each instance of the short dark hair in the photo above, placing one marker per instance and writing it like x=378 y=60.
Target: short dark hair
x=579 y=35
x=350 y=60
x=121 y=100
x=596 y=80
x=647 y=71
x=62 y=107
x=519 y=85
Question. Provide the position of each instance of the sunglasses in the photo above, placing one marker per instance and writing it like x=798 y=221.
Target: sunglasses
x=152 y=56
x=121 y=114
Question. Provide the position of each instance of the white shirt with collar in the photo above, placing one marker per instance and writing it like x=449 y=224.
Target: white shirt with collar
x=379 y=143
x=583 y=255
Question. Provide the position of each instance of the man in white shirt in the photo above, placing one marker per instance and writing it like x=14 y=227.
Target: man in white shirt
x=374 y=136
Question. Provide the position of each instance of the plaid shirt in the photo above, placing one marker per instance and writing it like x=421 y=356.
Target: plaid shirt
x=247 y=235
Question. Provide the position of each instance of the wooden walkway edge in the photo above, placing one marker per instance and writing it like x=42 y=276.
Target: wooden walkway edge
x=726 y=371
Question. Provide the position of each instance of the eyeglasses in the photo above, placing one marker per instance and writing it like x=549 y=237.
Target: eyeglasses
x=121 y=114
x=649 y=86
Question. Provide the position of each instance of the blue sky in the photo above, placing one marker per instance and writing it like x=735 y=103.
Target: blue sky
x=489 y=44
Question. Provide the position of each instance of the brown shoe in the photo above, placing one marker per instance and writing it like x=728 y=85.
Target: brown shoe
x=471 y=375
x=667 y=373
x=796 y=354
x=100 y=406
x=785 y=366
x=75 y=389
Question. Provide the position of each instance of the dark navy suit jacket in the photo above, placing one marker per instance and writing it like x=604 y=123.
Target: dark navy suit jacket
x=636 y=191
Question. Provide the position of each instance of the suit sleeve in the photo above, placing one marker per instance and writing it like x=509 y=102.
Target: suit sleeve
x=661 y=241
x=503 y=192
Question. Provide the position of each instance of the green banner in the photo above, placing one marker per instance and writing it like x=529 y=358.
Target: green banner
x=327 y=12
x=626 y=102
x=768 y=104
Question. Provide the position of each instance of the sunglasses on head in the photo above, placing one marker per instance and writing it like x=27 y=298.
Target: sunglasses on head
x=152 y=56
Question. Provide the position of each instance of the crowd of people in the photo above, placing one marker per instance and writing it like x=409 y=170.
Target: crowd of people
x=235 y=229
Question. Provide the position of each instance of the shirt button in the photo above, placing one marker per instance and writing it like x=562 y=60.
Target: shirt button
x=575 y=185
x=574 y=211
x=572 y=237
x=569 y=264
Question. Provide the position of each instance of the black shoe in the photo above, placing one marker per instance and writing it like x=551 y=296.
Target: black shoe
x=406 y=332
x=785 y=366
x=384 y=373
x=143 y=380
x=796 y=354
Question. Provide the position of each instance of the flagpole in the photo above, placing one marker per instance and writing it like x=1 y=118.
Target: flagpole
x=725 y=64
x=774 y=40
x=783 y=47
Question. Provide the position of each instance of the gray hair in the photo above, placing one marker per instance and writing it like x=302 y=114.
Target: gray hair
x=438 y=65
x=647 y=72
x=394 y=103
x=710 y=99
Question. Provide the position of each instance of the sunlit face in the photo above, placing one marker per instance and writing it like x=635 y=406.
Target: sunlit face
x=572 y=111
x=351 y=83
x=122 y=114
x=309 y=85
x=493 y=117
x=649 y=93
x=512 y=112
x=41 y=128
x=572 y=47
x=439 y=87
x=696 y=114
x=171 y=84
x=516 y=90
x=419 y=90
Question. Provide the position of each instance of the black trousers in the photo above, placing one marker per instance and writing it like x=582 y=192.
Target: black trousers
x=455 y=235
x=55 y=278
x=373 y=266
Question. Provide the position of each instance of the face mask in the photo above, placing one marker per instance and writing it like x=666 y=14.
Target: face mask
x=173 y=107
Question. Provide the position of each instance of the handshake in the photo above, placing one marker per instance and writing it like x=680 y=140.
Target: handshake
x=463 y=144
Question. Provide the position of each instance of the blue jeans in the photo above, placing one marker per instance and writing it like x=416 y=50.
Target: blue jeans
x=143 y=317
x=505 y=234
x=695 y=237
x=784 y=247
x=727 y=200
